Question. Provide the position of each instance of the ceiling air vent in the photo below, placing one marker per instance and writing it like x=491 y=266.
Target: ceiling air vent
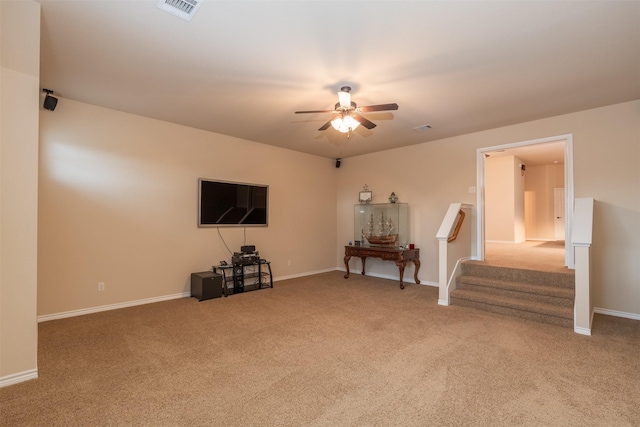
x=422 y=128
x=184 y=9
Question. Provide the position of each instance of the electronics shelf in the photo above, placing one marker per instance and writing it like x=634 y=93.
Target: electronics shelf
x=245 y=276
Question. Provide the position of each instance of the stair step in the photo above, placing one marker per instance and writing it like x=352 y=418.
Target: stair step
x=541 y=312
x=525 y=291
x=564 y=278
x=543 y=296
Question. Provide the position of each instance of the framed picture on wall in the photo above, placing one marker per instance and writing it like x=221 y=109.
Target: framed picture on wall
x=365 y=196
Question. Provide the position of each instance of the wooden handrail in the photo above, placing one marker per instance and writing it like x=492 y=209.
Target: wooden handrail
x=453 y=237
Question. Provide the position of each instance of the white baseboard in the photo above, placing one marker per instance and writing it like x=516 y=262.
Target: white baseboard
x=20 y=377
x=390 y=277
x=84 y=311
x=81 y=312
x=91 y=310
x=308 y=273
x=581 y=331
x=616 y=313
x=587 y=331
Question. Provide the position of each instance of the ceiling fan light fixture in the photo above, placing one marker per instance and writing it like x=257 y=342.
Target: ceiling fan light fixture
x=344 y=98
x=345 y=116
x=344 y=123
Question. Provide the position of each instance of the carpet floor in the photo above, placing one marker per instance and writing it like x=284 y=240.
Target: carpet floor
x=325 y=351
x=530 y=255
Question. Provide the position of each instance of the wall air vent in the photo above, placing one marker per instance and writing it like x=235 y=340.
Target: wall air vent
x=184 y=9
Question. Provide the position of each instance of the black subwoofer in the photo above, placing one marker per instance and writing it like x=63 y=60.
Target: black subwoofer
x=206 y=285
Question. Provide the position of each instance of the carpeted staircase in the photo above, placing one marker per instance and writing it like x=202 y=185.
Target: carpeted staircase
x=542 y=296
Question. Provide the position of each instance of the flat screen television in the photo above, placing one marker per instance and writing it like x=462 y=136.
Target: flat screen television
x=229 y=204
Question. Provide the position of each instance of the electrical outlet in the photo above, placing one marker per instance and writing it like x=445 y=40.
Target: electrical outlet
x=100 y=286
x=289 y=263
x=472 y=189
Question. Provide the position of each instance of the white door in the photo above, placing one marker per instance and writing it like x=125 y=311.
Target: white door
x=558 y=212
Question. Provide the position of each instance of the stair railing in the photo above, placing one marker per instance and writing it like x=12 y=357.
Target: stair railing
x=451 y=250
x=454 y=236
x=581 y=238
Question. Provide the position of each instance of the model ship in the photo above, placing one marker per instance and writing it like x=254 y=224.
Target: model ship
x=381 y=233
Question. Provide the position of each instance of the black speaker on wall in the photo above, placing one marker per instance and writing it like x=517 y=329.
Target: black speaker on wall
x=50 y=102
x=338 y=162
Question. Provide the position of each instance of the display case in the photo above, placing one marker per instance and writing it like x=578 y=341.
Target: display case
x=381 y=224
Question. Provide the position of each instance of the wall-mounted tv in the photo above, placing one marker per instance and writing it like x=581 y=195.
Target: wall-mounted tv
x=229 y=204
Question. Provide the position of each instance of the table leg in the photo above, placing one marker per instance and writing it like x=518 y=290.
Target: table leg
x=346 y=264
x=224 y=283
x=416 y=262
x=401 y=266
x=364 y=258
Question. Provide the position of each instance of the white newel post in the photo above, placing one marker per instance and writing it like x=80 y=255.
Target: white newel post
x=581 y=240
x=450 y=254
x=443 y=294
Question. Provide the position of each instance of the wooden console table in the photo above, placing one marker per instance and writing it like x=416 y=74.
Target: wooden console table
x=399 y=256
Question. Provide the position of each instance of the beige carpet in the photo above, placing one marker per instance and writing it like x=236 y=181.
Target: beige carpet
x=531 y=255
x=325 y=351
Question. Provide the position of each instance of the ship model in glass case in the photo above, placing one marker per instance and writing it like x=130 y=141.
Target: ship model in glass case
x=382 y=232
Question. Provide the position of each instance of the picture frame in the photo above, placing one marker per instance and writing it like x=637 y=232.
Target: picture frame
x=365 y=196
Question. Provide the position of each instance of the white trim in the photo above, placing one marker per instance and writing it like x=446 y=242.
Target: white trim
x=20 y=377
x=568 y=184
x=395 y=278
x=616 y=313
x=568 y=200
x=582 y=331
x=109 y=307
x=455 y=268
x=82 y=312
x=480 y=204
x=445 y=302
x=308 y=273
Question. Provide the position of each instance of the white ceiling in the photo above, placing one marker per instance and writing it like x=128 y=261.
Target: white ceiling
x=242 y=68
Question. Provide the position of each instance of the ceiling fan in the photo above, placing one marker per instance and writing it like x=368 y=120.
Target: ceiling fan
x=345 y=117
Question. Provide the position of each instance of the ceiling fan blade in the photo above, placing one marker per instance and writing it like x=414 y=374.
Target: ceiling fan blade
x=314 y=111
x=326 y=125
x=364 y=122
x=381 y=107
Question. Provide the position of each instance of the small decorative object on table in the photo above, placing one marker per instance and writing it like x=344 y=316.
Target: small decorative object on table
x=365 y=195
x=393 y=198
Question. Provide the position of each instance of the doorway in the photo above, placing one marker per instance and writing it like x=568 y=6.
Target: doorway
x=565 y=142
x=558 y=214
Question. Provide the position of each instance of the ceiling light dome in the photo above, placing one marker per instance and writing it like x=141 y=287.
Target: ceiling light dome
x=345 y=123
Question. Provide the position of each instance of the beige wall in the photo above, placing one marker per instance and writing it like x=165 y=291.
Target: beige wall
x=118 y=204
x=504 y=200
x=430 y=176
x=19 y=96
x=426 y=176
x=540 y=182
